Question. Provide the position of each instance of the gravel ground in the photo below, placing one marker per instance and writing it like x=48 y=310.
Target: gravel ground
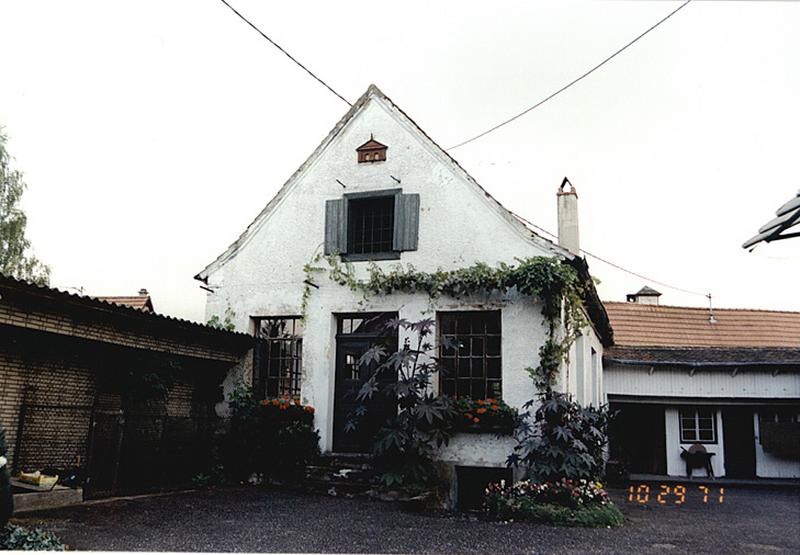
x=254 y=520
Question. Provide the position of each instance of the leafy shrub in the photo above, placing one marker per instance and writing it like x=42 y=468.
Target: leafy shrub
x=491 y=415
x=565 y=440
x=404 y=446
x=275 y=437
x=6 y=499
x=17 y=538
x=566 y=502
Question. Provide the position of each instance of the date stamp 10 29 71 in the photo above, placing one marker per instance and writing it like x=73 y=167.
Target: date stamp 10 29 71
x=676 y=494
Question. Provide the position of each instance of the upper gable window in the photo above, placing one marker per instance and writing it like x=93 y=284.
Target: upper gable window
x=376 y=225
x=371 y=225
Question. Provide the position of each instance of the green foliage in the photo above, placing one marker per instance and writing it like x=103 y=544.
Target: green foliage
x=225 y=323
x=201 y=480
x=484 y=415
x=404 y=446
x=566 y=502
x=16 y=259
x=273 y=437
x=6 y=499
x=565 y=439
x=17 y=538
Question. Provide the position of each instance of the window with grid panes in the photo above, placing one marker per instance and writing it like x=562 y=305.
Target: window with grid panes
x=371 y=223
x=698 y=426
x=473 y=367
x=278 y=356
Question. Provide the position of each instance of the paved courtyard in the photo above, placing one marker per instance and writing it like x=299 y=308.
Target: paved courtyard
x=254 y=520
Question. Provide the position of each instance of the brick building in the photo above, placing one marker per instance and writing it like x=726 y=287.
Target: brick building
x=89 y=383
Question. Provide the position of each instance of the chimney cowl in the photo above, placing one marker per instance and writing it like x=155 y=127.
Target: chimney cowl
x=143 y=292
x=568 y=234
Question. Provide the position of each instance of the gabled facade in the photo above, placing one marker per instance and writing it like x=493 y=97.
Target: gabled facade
x=412 y=205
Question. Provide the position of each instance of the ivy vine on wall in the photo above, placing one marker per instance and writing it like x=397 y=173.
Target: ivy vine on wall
x=554 y=284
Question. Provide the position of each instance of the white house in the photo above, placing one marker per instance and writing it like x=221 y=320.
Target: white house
x=379 y=190
x=728 y=380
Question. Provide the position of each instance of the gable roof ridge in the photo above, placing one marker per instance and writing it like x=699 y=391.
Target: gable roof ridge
x=373 y=90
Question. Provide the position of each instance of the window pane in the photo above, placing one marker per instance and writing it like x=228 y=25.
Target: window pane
x=478 y=374
x=278 y=356
x=371 y=225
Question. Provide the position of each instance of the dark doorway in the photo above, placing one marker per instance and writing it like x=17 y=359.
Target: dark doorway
x=739 y=437
x=357 y=333
x=637 y=438
x=471 y=482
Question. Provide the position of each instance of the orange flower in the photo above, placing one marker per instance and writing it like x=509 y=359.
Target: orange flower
x=481 y=410
x=476 y=420
x=275 y=402
x=491 y=400
x=479 y=401
x=469 y=416
x=495 y=407
x=283 y=407
x=265 y=402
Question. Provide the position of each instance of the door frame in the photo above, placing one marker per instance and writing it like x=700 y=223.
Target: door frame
x=342 y=338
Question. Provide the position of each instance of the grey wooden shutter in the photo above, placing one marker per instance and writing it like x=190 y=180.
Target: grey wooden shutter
x=406 y=222
x=336 y=226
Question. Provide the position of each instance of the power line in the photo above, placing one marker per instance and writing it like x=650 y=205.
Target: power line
x=612 y=264
x=574 y=81
x=276 y=45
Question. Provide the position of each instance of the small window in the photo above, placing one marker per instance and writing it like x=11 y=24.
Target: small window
x=371 y=222
x=278 y=356
x=474 y=368
x=698 y=426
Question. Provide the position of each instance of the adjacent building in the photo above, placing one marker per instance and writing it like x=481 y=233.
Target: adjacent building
x=728 y=379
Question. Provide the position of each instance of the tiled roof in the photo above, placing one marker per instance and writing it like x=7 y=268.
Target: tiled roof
x=703 y=356
x=139 y=302
x=640 y=325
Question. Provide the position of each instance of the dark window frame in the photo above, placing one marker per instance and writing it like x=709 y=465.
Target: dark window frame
x=694 y=414
x=389 y=254
x=288 y=348
x=489 y=345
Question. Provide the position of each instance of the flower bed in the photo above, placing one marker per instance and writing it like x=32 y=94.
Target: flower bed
x=484 y=415
x=565 y=502
x=272 y=437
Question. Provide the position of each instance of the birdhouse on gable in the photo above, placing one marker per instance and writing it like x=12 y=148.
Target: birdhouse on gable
x=371 y=151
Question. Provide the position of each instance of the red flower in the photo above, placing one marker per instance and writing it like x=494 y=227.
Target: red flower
x=476 y=420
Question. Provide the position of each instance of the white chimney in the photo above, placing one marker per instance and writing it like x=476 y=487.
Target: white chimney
x=568 y=236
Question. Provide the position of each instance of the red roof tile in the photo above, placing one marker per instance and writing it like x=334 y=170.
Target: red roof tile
x=139 y=302
x=640 y=325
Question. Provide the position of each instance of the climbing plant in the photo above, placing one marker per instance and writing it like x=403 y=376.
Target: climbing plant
x=567 y=437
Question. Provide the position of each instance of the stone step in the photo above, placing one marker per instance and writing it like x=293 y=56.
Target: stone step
x=346 y=473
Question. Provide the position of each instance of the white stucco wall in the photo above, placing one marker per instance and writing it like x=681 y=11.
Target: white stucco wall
x=770 y=466
x=458 y=226
x=676 y=466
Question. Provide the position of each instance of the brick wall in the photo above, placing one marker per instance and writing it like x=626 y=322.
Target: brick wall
x=42 y=381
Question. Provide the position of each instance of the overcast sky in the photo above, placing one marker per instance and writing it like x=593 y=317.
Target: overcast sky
x=152 y=132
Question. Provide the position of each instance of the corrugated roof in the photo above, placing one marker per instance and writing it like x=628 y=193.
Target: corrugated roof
x=124 y=310
x=139 y=302
x=643 y=325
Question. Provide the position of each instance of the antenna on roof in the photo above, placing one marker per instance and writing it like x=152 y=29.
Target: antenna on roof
x=711 y=318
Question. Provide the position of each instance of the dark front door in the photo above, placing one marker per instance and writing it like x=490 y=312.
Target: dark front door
x=637 y=438
x=357 y=334
x=739 y=437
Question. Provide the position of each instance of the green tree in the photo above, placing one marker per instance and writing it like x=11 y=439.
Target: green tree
x=16 y=258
